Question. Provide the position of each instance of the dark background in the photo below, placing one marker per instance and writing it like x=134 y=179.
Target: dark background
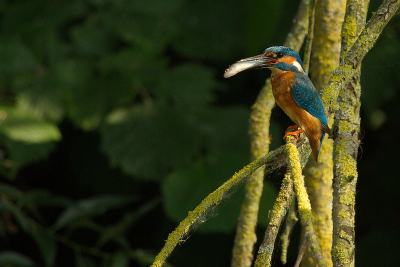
x=115 y=121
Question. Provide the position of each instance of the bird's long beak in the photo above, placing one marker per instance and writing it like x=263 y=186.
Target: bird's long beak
x=256 y=62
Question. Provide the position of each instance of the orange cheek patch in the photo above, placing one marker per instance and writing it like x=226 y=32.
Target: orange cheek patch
x=289 y=60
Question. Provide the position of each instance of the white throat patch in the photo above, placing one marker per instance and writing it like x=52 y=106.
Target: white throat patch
x=298 y=66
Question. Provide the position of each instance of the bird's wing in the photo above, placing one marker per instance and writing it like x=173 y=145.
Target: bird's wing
x=306 y=97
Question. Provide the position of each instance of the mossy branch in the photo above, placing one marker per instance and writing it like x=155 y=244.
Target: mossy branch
x=342 y=75
x=242 y=253
x=272 y=161
x=291 y=220
x=318 y=177
x=303 y=202
x=276 y=216
x=347 y=125
x=295 y=37
x=282 y=204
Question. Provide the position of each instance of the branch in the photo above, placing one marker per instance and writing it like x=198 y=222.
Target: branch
x=348 y=67
x=272 y=161
x=318 y=177
x=304 y=205
x=282 y=204
x=291 y=220
x=347 y=123
x=310 y=36
x=295 y=37
x=301 y=252
x=276 y=216
x=242 y=253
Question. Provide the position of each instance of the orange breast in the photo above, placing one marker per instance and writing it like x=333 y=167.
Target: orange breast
x=281 y=84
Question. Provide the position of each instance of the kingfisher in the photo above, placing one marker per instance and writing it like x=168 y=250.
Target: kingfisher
x=293 y=91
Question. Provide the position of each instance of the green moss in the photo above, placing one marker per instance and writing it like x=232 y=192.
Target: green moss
x=341 y=253
x=344 y=127
x=344 y=214
x=347 y=166
x=350 y=31
x=348 y=197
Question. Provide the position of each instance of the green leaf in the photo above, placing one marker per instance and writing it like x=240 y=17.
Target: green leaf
x=42 y=198
x=20 y=126
x=188 y=85
x=91 y=91
x=46 y=245
x=157 y=7
x=213 y=36
x=20 y=154
x=41 y=101
x=90 y=208
x=84 y=102
x=84 y=261
x=26 y=138
x=11 y=191
x=12 y=258
x=20 y=216
x=93 y=37
x=227 y=128
x=147 y=140
x=145 y=24
x=130 y=71
x=34 y=199
x=120 y=259
x=29 y=18
x=262 y=17
x=16 y=58
x=183 y=190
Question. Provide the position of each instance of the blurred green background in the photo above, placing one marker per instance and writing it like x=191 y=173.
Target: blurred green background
x=115 y=121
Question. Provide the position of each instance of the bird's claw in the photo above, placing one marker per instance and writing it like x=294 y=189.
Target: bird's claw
x=294 y=133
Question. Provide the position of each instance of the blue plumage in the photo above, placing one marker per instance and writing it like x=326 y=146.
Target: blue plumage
x=306 y=96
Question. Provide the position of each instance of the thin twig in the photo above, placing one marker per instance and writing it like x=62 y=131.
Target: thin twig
x=291 y=220
x=301 y=252
x=276 y=216
x=310 y=36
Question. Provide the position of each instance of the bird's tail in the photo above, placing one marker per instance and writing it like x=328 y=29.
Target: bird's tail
x=316 y=145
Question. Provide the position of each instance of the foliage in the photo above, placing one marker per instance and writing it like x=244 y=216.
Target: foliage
x=115 y=121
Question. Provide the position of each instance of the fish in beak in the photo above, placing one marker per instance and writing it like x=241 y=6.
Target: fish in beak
x=256 y=62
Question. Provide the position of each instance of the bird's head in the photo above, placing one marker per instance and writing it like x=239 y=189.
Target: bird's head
x=276 y=58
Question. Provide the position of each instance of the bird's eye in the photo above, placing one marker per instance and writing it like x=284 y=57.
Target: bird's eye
x=279 y=54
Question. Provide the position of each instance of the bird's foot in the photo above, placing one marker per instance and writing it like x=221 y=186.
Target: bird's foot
x=295 y=133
